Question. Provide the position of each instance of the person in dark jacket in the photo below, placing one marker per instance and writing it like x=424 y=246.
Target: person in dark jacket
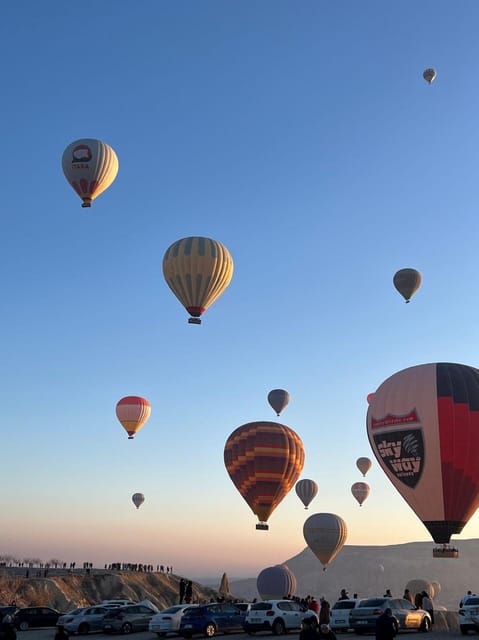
x=325 y=632
x=189 y=592
x=324 y=612
x=309 y=629
x=182 y=589
x=386 y=626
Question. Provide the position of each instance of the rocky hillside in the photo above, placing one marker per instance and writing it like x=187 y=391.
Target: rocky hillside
x=69 y=591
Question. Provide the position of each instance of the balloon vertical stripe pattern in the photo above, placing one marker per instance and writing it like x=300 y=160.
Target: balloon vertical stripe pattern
x=90 y=166
x=264 y=460
x=423 y=427
x=306 y=490
x=133 y=412
x=197 y=270
x=325 y=535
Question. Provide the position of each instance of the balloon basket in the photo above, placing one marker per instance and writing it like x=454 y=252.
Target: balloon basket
x=86 y=203
x=445 y=552
x=194 y=320
x=262 y=526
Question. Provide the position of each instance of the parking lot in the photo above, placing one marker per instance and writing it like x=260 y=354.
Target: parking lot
x=48 y=634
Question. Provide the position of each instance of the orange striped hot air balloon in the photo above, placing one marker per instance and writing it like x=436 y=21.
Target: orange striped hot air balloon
x=264 y=460
x=133 y=412
x=90 y=166
x=197 y=270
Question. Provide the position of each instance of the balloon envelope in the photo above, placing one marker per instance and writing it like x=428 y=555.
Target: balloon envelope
x=363 y=464
x=418 y=585
x=133 y=412
x=429 y=75
x=274 y=583
x=360 y=491
x=278 y=400
x=197 y=270
x=90 y=166
x=423 y=427
x=264 y=460
x=306 y=491
x=325 y=535
x=138 y=499
x=407 y=282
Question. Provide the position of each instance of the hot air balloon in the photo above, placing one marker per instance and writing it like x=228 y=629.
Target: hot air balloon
x=325 y=535
x=264 y=460
x=197 y=270
x=278 y=399
x=273 y=583
x=369 y=397
x=418 y=585
x=360 y=491
x=138 y=499
x=429 y=75
x=423 y=427
x=407 y=282
x=364 y=464
x=133 y=412
x=90 y=166
x=306 y=491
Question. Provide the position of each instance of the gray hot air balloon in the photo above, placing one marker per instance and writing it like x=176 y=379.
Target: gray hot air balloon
x=407 y=282
x=429 y=75
x=306 y=491
x=138 y=499
x=278 y=399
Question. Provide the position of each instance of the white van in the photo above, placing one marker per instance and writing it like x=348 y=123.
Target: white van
x=339 y=615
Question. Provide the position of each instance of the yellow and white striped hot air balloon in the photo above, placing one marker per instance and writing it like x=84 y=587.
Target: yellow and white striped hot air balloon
x=197 y=270
x=133 y=412
x=90 y=166
x=325 y=535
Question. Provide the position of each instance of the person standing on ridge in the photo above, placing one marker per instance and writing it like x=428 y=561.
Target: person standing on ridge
x=189 y=592
x=182 y=590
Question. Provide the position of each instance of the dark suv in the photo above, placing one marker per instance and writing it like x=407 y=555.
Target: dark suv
x=208 y=619
x=28 y=617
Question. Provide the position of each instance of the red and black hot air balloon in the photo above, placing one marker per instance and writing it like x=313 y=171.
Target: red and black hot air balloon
x=423 y=427
x=264 y=460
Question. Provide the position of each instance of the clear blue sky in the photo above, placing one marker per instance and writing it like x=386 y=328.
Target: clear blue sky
x=302 y=135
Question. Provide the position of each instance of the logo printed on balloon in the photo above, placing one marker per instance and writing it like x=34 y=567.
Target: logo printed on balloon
x=402 y=451
x=81 y=153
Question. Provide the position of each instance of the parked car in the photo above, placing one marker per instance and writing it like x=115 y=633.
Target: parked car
x=68 y=616
x=406 y=616
x=7 y=610
x=468 y=614
x=277 y=616
x=133 y=617
x=116 y=603
x=35 y=617
x=89 y=619
x=339 y=616
x=168 y=620
x=209 y=619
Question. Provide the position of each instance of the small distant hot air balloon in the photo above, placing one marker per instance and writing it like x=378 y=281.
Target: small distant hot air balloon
x=197 y=270
x=138 y=499
x=363 y=464
x=407 y=282
x=325 y=535
x=360 y=491
x=264 y=460
x=429 y=75
x=90 y=166
x=278 y=400
x=369 y=397
x=306 y=491
x=422 y=426
x=133 y=412
x=273 y=583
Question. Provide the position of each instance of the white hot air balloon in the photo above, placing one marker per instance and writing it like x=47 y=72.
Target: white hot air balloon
x=90 y=166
